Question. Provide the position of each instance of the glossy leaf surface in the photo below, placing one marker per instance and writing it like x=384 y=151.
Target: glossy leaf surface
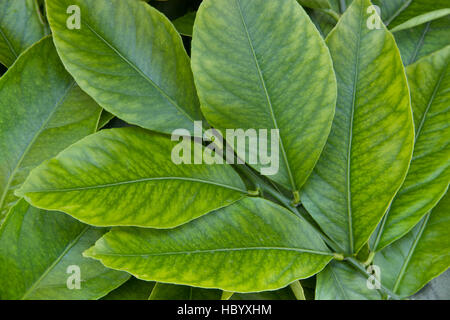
x=125 y=177
x=142 y=75
x=41 y=257
x=252 y=245
x=43 y=112
x=242 y=83
x=370 y=146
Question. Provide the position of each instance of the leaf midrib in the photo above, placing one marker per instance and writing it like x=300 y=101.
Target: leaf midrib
x=140 y=72
x=269 y=102
x=420 y=43
x=108 y=185
x=410 y=253
x=214 y=251
x=54 y=263
x=33 y=140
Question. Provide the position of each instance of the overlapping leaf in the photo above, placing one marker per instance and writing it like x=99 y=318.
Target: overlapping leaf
x=125 y=177
x=429 y=172
x=43 y=112
x=339 y=281
x=166 y=291
x=40 y=250
x=266 y=74
x=130 y=59
x=20 y=26
x=408 y=264
x=252 y=245
x=370 y=145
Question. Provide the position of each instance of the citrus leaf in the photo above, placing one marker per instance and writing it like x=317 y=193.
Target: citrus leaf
x=126 y=177
x=20 y=27
x=281 y=294
x=415 y=8
x=105 y=118
x=43 y=112
x=142 y=75
x=423 y=18
x=166 y=291
x=317 y=4
x=252 y=245
x=133 y=289
x=270 y=74
x=185 y=24
x=339 y=281
x=429 y=172
x=418 y=42
x=390 y=9
x=369 y=149
x=409 y=263
x=40 y=251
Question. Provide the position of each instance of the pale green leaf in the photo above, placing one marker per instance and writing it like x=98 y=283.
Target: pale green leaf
x=39 y=253
x=423 y=40
x=20 y=26
x=423 y=18
x=43 y=112
x=339 y=281
x=126 y=177
x=369 y=149
x=429 y=172
x=252 y=245
x=130 y=59
x=166 y=291
x=411 y=262
x=266 y=74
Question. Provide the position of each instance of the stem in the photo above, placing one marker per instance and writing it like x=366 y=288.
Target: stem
x=297 y=289
x=361 y=269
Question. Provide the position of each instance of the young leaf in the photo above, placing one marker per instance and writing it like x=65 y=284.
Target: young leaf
x=339 y=281
x=423 y=18
x=20 y=27
x=408 y=264
x=185 y=24
x=166 y=291
x=266 y=74
x=126 y=177
x=369 y=149
x=133 y=289
x=43 y=112
x=41 y=258
x=423 y=40
x=252 y=245
x=130 y=59
x=415 y=8
x=429 y=172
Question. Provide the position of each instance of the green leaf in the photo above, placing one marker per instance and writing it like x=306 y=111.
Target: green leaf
x=323 y=21
x=390 y=9
x=270 y=74
x=133 y=289
x=436 y=289
x=281 y=294
x=39 y=251
x=423 y=40
x=166 y=291
x=43 y=112
x=414 y=8
x=429 y=172
x=317 y=4
x=426 y=17
x=339 y=281
x=252 y=245
x=130 y=59
x=126 y=177
x=408 y=264
x=185 y=24
x=105 y=118
x=20 y=27
x=369 y=149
